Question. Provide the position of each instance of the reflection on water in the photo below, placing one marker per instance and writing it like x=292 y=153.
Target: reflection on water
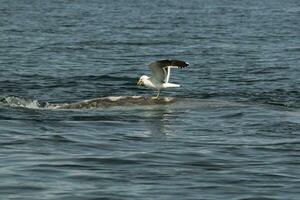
x=158 y=120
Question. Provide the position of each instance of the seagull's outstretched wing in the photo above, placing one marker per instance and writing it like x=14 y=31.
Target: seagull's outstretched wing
x=161 y=69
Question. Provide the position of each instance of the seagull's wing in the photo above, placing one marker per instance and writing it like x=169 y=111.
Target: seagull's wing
x=161 y=69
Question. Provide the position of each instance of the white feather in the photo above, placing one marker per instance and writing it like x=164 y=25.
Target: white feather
x=161 y=72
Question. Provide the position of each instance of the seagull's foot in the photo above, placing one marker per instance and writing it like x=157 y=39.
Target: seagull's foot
x=155 y=98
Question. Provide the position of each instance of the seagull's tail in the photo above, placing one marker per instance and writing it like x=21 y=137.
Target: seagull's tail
x=170 y=85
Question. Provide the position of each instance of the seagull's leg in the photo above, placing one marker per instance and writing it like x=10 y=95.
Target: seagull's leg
x=157 y=96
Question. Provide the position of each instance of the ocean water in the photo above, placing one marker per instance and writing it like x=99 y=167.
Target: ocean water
x=234 y=132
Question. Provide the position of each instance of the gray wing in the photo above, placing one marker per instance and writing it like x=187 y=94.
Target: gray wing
x=161 y=69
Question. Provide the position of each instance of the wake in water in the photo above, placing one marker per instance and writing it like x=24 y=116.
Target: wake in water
x=102 y=102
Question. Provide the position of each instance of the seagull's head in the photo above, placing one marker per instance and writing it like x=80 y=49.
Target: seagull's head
x=142 y=80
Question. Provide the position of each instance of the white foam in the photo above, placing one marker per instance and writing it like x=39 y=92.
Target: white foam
x=25 y=103
x=136 y=97
x=115 y=98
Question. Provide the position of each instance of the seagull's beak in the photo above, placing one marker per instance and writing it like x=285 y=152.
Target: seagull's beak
x=140 y=82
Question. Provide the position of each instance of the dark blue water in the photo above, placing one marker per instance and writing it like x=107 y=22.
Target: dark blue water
x=234 y=132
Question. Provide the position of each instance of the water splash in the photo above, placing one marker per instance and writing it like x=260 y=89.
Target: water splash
x=23 y=102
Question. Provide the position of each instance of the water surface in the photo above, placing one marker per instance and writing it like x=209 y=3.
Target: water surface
x=232 y=134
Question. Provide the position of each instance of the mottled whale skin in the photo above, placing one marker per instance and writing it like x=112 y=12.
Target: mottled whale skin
x=102 y=102
x=105 y=102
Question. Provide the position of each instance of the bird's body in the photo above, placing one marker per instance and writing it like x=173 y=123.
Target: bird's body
x=154 y=84
x=161 y=74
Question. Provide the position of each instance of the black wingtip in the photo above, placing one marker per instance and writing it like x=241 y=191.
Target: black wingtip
x=181 y=64
x=171 y=62
x=187 y=64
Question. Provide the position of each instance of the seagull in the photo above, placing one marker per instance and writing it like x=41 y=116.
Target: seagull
x=161 y=74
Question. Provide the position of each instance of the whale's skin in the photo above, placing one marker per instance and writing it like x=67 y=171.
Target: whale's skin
x=105 y=102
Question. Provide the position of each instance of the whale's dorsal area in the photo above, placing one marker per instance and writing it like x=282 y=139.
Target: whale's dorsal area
x=105 y=102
